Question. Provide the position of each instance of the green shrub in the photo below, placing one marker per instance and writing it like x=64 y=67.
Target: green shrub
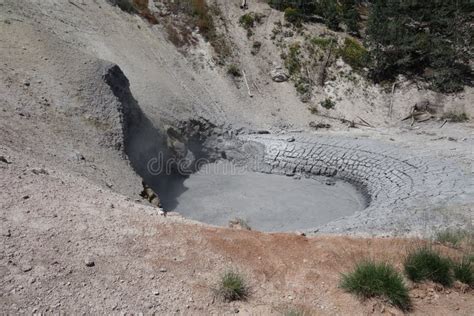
x=371 y=279
x=464 y=271
x=232 y=287
x=234 y=70
x=303 y=85
x=322 y=42
x=328 y=104
x=126 y=5
x=354 y=53
x=456 y=117
x=248 y=21
x=292 y=60
x=293 y=16
x=427 y=264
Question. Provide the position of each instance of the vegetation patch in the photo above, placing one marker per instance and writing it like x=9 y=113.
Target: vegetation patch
x=322 y=42
x=330 y=12
x=293 y=60
x=125 y=5
x=423 y=39
x=293 y=16
x=196 y=14
x=456 y=117
x=426 y=264
x=232 y=287
x=139 y=7
x=234 y=70
x=464 y=271
x=454 y=237
x=426 y=40
x=353 y=53
x=328 y=104
x=249 y=20
x=370 y=279
x=303 y=85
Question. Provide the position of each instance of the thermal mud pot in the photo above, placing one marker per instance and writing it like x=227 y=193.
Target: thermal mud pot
x=315 y=183
x=221 y=192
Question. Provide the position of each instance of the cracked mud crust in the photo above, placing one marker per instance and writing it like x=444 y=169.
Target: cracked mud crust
x=408 y=188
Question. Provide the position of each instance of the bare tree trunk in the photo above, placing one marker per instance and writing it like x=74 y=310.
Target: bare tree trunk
x=390 y=108
x=322 y=70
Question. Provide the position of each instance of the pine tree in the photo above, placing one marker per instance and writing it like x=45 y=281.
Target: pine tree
x=420 y=38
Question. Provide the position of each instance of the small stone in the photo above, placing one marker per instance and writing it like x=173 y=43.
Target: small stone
x=78 y=156
x=319 y=125
x=290 y=139
x=89 y=263
x=156 y=293
x=163 y=270
x=27 y=268
x=26 y=197
x=4 y=160
x=40 y=171
x=278 y=75
x=330 y=182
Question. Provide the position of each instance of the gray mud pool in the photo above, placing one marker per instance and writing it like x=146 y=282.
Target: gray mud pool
x=220 y=192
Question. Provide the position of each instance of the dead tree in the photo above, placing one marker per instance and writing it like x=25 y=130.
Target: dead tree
x=322 y=70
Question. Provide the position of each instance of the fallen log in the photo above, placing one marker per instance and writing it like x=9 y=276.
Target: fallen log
x=247 y=84
x=351 y=123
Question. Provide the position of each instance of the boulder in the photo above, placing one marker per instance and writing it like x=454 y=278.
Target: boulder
x=279 y=75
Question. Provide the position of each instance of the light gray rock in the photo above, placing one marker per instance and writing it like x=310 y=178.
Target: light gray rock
x=279 y=75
